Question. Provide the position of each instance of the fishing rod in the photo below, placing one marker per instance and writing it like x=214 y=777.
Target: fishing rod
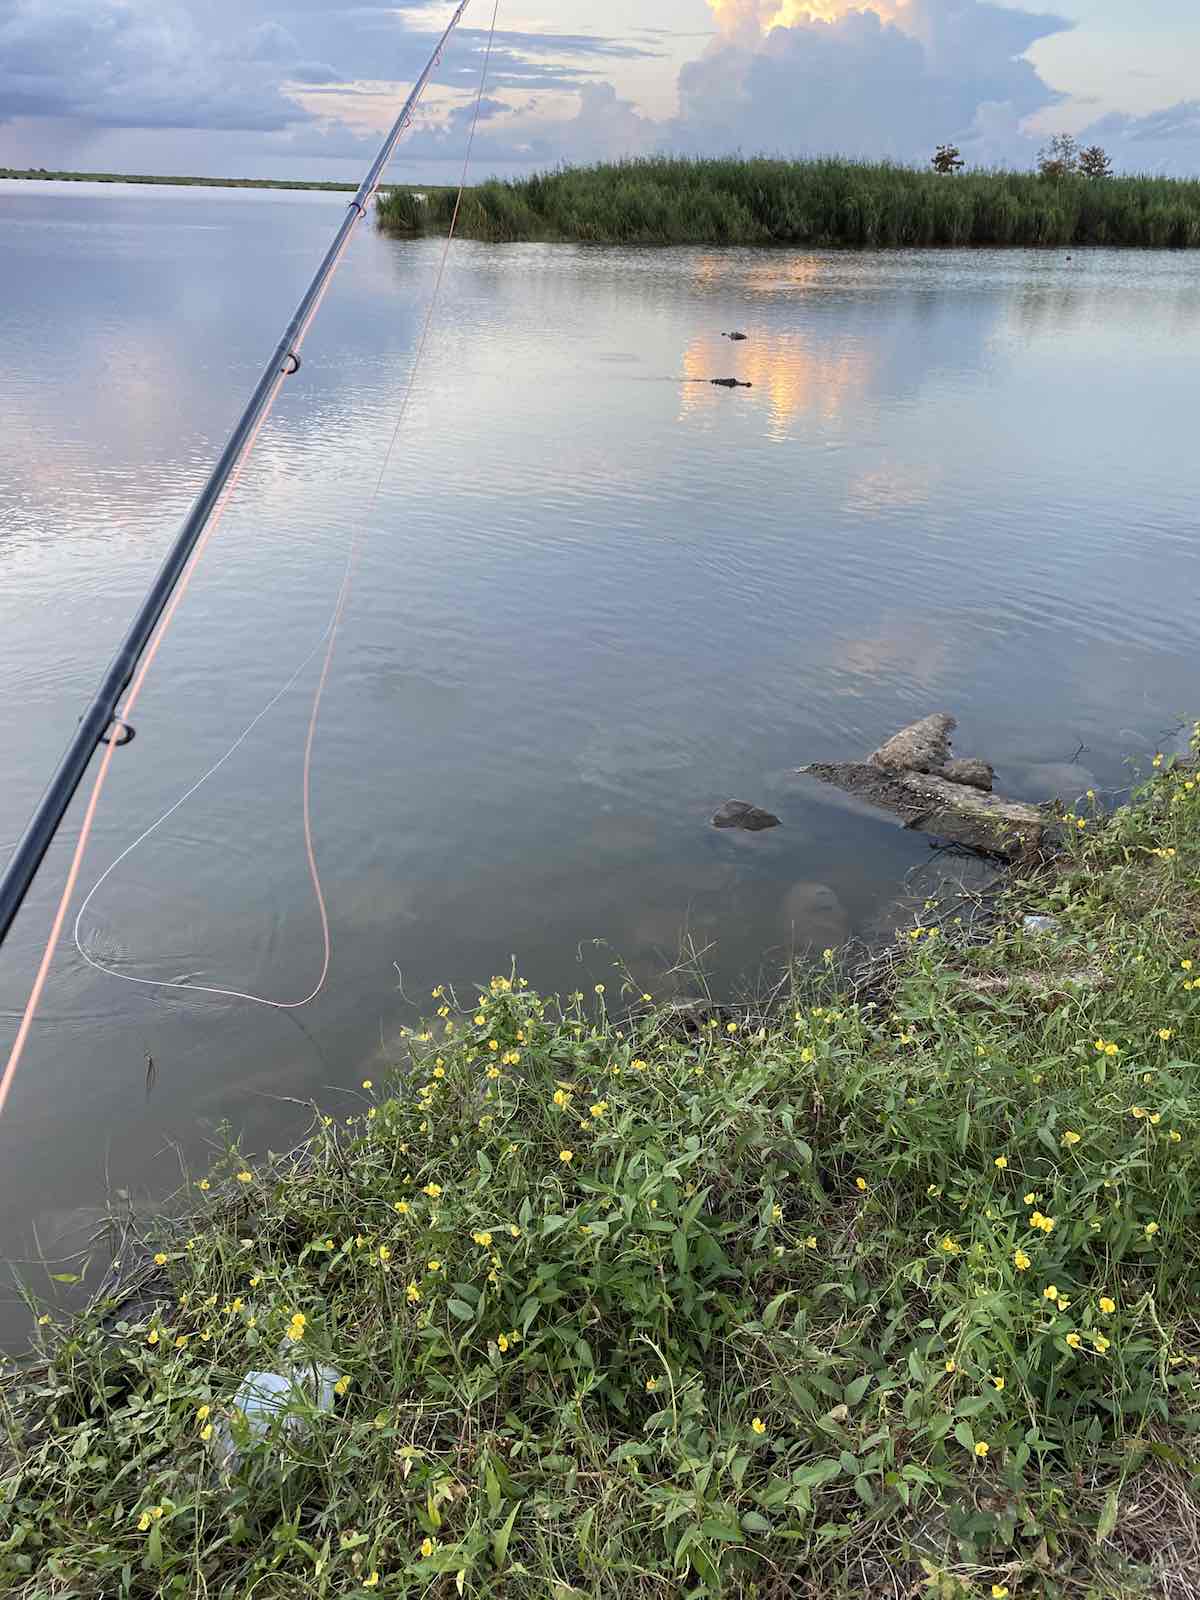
x=99 y=723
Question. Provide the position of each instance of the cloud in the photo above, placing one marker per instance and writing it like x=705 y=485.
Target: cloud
x=1165 y=142
x=862 y=85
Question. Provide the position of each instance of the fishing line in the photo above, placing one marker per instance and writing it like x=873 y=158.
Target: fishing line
x=172 y=605
x=329 y=638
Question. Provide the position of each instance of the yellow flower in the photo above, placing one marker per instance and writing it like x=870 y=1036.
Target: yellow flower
x=998 y=1383
x=1164 y=1034
x=1030 y=1199
x=433 y=1190
x=1186 y=965
x=638 y=1065
x=1111 y=1050
x=1176 y=1136
x=493 y=1044
x=1107 y=1306
x=1074 y=1341
x=599 y=988
x=949 y=1247
x=999 y=1591
x=981 y=1449
x=160 y=1260
x=493 y=1073
x=483 y=1240
x=203 y=1185
x=1021 y=1261
x=599 y=1109
x=373 y=1582
x=427 y=1547
x=413 y=1294
x=202 y=1414
x=152 y=1336
x=651 y=1385
x=439 y=1072
x=566 y=1157
x=562 y=1099
x=235 y=1306
x=731 y=1027
x=1151 y=1229
x=1137 y=1111
x=952 y=1366
x=861 y=1185
x=342 y=1384
x=1050 y=1293
x=1002 y=1163
x=297 y=1326
x=1158 y=761
x=514 y=1230
x=401 y=1207
x=385 y=1254
x=758 y=1426
x=206 y=1432
x=480 y=1021
x=181 y=1342
x=1100 y=1342
x=143 y=1522
x=1155 y=1118
x=367 y=1084
x=435 y=1266
x=1071 y=1137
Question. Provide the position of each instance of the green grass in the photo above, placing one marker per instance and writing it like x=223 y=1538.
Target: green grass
x=660 y=201
x=751 y=1338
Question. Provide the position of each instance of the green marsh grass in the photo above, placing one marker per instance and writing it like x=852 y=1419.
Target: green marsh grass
x=732 y=201
x=858 y=1297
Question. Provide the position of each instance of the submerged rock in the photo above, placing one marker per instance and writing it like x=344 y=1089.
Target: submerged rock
x=741 y=814
x=814 y=918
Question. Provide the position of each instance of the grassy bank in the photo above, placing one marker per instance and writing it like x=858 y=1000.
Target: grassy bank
x=888 y=1288
x=662 y=201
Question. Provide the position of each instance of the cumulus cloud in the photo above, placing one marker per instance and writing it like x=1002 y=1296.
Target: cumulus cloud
x=1166 y=142
x=862 y=84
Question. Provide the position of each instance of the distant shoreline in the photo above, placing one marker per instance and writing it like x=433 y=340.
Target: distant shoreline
x=188 y=183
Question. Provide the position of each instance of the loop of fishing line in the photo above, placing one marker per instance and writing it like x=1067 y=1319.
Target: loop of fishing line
x=138 y=678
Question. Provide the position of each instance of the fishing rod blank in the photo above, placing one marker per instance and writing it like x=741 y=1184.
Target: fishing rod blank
x=98 y=721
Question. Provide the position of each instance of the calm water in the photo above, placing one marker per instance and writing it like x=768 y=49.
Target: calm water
x=599 y=597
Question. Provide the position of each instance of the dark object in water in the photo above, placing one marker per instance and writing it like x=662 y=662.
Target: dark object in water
x=738 y=337
x=729 y=383
x=741 y=814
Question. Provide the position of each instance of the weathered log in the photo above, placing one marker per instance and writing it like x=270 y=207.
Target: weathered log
x=913 y=777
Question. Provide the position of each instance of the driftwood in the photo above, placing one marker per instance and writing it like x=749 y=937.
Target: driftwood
x=914 y=777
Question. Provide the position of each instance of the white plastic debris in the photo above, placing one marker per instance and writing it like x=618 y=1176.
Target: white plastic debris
x=294 y=1392
x=1040 y=925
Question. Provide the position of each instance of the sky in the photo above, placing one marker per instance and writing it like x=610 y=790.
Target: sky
x=305 y=88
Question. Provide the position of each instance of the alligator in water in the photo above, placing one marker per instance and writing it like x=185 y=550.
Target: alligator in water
x=729 y=383
x=738 y=337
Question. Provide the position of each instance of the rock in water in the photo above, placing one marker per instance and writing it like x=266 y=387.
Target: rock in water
x=814 y=918
x=740 y=814
x=975 y=774
x=922 y=747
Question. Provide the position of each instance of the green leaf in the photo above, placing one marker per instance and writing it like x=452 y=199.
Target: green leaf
x=964 y=1129
x=848 y=1464
x=679 y=1249
x=501 y=1537
x=755 y=1522
x=862 y=1488
x=483 y=1162
x=856 y=1390
x=460 y=1309
x=964 y=1435
x=1108 y=1518
x=722 y=1532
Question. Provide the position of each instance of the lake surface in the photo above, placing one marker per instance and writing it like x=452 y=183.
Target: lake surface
x=598 y=597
